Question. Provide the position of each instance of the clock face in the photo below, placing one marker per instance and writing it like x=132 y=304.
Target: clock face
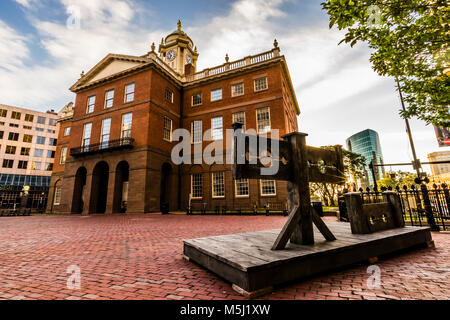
x=188 y=59
x=171 y=55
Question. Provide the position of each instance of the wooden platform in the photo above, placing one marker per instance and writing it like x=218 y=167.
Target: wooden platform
x=247 y=262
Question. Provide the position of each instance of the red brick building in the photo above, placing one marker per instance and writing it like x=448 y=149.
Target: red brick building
x=117 y=155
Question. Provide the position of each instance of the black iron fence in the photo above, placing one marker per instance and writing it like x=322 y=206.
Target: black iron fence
x=422 y=206
x=14 y=199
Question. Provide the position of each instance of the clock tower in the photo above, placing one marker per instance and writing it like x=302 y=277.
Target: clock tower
x=177 y=50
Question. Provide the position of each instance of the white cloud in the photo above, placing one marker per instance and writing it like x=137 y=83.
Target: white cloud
x=13 y=48
x=106 y=27
x=25 y=3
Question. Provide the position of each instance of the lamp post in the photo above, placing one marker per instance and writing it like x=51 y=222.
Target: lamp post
x=417 y=166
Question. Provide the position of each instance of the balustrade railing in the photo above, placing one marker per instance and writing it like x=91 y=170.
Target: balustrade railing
x=265 y=56
x=103 y=146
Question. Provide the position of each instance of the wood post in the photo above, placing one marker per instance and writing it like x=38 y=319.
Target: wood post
x=393 y=198
x=358 y=221
x=303 y=233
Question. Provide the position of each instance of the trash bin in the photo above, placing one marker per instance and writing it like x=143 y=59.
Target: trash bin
x=318 y=206
x=165 y=208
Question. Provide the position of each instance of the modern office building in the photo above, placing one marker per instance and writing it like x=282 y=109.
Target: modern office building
x=439 y=169
x=117 y=156
x=367 y=143
x=28 y=142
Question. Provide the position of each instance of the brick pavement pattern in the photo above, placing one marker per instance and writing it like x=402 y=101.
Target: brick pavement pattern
x=140 y=257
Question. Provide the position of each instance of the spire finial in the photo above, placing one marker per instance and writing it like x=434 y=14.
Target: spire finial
x=82 y=74
x=179 y=25
x=153 y=47
x=227 y=59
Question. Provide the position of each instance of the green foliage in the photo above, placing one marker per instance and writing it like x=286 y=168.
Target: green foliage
x=400 y=179
x=354 y=164
x=410 y=42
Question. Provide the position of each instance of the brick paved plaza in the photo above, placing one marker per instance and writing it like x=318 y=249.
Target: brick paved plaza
x=140 y=257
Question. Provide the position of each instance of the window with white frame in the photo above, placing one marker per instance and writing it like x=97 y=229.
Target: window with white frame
x=129 y=93
x=242 y=188
x=127 y=122
x=263 y=120
x=218 y=184
x=261 y=84
x=57 y=195
x=90 y=105
x=36 y=166
x=197 y=99
x=106 y=131
x=239 y=117
x=216 y=94
x=237 y=89
x=109 y=98
x=66 y=131
x=196 y=186
x=196 y=131
x=63 y=157
x=169 y=95
x=167 y=131
x=217 y=128
x=268 y=188
x=87 y=136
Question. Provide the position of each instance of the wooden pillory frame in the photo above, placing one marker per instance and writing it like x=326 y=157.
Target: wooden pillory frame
x=299 y=165
x=256 y=262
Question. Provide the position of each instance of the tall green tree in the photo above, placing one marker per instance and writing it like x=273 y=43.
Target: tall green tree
x=410 y=42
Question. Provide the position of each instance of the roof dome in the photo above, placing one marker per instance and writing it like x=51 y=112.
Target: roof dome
x=177 y=34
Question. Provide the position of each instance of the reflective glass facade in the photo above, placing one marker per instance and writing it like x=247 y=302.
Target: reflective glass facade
x=367 y=143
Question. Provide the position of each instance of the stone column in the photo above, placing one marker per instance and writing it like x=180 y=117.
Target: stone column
x=87 y=195
x=110 y=197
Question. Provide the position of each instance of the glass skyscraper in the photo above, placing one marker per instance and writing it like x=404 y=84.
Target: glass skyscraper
x=367 y=143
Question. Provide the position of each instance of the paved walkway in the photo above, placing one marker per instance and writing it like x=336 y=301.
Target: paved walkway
x=140 y=257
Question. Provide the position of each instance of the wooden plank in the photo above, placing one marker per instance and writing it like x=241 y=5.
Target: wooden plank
x=322 y=226
x=226 y=255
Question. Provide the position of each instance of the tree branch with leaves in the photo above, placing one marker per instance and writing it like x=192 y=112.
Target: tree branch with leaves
x=410 y=42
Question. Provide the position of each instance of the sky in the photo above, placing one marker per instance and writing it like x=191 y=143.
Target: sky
x=46 y=44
